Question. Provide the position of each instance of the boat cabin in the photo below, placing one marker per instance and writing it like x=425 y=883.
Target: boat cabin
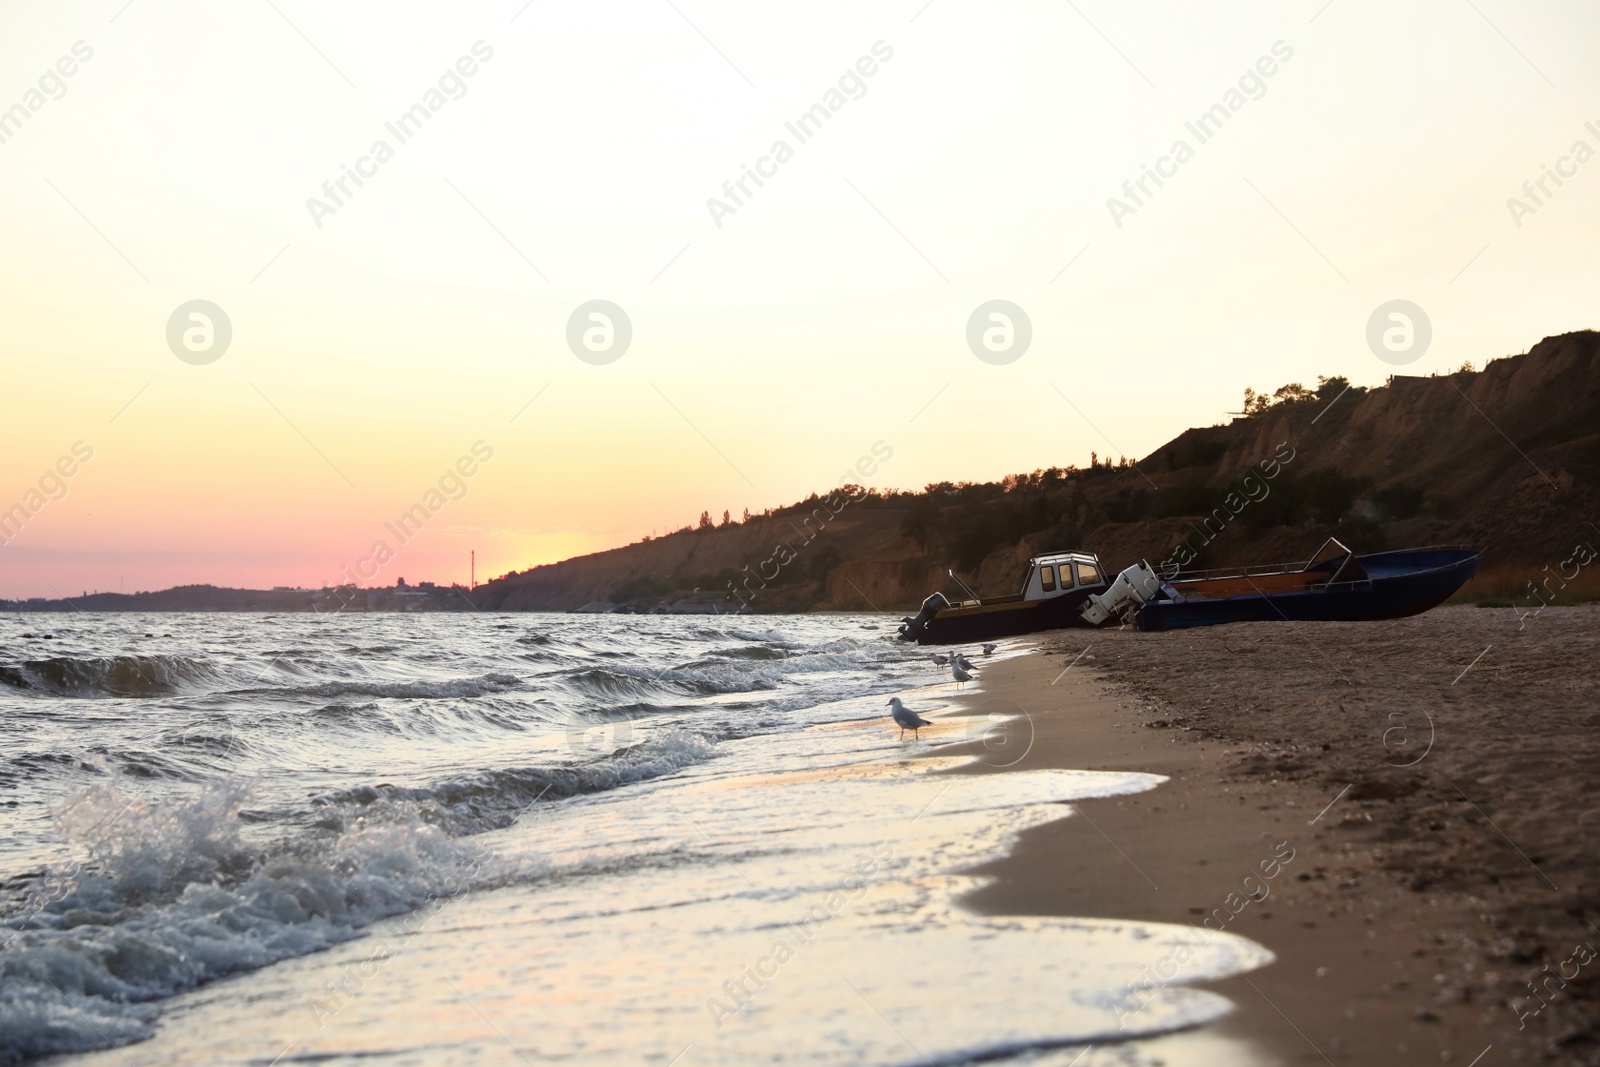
x=1060 y=572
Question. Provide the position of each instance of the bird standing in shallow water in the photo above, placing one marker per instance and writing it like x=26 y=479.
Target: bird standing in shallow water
x=988 y=648
x=906 y=719
x=963 y=662
x=940 y=660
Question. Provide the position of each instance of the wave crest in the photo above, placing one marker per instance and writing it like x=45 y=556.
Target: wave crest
x=480 y=685
x=171 y=900
x=492 y=799
x=113 y=676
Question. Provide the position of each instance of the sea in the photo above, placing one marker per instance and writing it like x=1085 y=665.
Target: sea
x=538 y=838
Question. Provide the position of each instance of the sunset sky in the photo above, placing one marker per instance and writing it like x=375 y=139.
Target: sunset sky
x=377 y=338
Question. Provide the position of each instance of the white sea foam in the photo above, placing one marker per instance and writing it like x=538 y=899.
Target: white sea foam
x=172 y=899
x=728 y=916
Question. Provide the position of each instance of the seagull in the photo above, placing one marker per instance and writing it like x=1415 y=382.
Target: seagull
x=959 y=675
x=964 y=663
x=940 y=660
x=988 y=648
x=906 y=718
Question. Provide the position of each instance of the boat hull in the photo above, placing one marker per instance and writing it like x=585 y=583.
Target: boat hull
x=969 y=625
x=1397 y=584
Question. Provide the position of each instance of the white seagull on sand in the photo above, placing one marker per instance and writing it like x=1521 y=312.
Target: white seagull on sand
x=964 y=663
x=959 y=675
x=988 y=648
x=906 y=719
x=940 y=660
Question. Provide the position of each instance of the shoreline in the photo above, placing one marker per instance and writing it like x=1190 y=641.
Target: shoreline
x=1220 y=847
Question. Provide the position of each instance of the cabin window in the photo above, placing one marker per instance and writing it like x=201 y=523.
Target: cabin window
x=1047 y=577
x=1088 y=574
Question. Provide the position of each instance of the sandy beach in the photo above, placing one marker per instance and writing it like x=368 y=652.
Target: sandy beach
x=1397 y=810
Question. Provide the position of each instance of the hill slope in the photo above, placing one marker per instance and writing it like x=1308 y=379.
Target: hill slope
x=1506 y=458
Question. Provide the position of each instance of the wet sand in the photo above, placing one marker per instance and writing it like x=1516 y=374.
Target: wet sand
x=1433 y=778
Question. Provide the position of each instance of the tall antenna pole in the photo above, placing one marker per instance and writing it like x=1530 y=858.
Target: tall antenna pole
x=474 y=578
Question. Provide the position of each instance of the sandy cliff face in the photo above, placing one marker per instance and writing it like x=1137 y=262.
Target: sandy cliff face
x=1506 y=458
x=1453 y=432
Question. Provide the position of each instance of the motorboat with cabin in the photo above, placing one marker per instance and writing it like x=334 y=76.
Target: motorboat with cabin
x=1055 y=588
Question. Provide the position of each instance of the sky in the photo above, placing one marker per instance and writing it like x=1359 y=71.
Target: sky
x=159 y=153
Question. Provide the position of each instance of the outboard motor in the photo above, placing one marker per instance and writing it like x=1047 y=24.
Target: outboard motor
x=911 y=629
x=1133 y=587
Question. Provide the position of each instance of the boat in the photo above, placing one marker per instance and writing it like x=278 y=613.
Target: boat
x=1055 y=588
x=1334 y=585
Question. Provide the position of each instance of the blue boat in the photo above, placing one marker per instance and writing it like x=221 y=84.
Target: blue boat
x=1336 y=585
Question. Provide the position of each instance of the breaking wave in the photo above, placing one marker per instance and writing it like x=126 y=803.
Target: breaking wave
x=115 y=676
x=172 y=898
x=494 y=682
x=490 y=799
x=174 y=895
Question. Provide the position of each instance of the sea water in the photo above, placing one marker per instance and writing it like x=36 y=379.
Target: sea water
x=508 y=839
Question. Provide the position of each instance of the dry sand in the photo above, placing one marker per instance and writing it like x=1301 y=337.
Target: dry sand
x=1435 y=778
